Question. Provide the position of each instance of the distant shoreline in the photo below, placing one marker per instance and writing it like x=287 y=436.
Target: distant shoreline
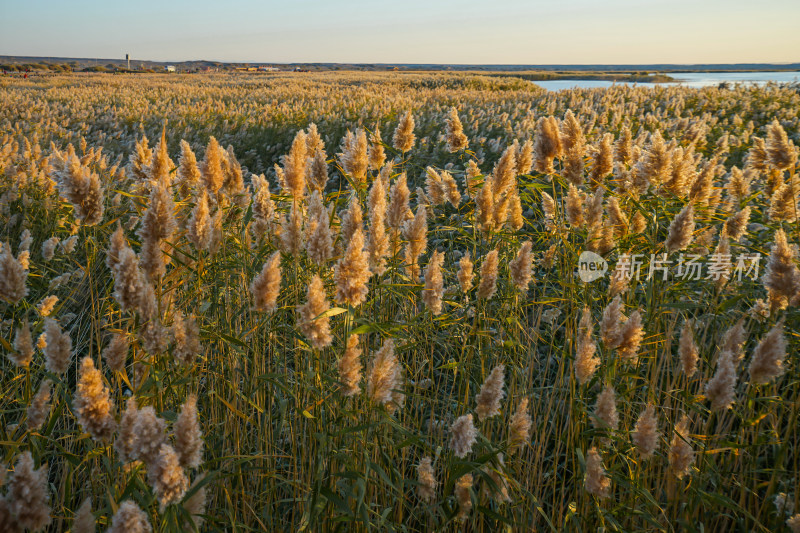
x=642 y=73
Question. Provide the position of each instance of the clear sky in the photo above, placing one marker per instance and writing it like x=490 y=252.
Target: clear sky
x=407 y=31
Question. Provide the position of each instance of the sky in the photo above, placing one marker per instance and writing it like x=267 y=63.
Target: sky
x=407 y=31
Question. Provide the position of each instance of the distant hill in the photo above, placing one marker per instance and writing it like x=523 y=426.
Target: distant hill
x=78 y=64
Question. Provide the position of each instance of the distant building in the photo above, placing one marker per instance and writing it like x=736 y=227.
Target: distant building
x=268 y=69
x=170 y=68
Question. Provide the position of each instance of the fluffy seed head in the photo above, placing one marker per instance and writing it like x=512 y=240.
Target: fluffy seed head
x=681 y=454
x=58 y=350
x=586 y=362
x=316 y=330
x=403 y=138
x=28 y=495
x=464 y=435
x=645 y=434
x=595 y=481
x=350 y=367
x=768 y=357
x=520 y=427
x=188 y=437
x=129 y=518
x=266 y=285
x=488 y=283
x=92 y=403
x=491 y=394
x=427 y=480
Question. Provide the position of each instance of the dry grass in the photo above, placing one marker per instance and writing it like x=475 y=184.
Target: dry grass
x=284 y=448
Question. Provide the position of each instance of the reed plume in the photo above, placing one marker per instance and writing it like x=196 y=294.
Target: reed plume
x=384 y=374
x=623 y=148
x=586 y=362
x=687 y=350
x=148 y=433
x=139 y=160
x=92 y=404
x=783 y=204
x=681 y=230
x=645 y=434
x=13 y=277
x=199 y=228
x=320 y=243
x=594 y=210
x=454 y=132
x=721 y=388
x=28 y=495
x=549 y=211
x=610 y=325
x=547 y=144
x=352 y=272
x=376 y=154
x=354 y=158
x=595 y=481
x=415 y=231
x=426 y=478
x=434 y=283
x=188 y=436
x=84 y=519
x=403 y=138
x=39 y=409
x=22 y=354
x=484 y=201
x=521 y=267
x=45 y=307
x=630 y=337
x=655 y=163
x=767 y=362
x=602 y=161
x=58 y=350
x=294 y=166
x=352 y=219
x=681 y=455
x=505 y=172
x=471 y=176
x=463 y=496
x=161 y=163
x=82 y=188
x=605 y=410
x=781 y=152
x=573 y=207
x=488 y=280
x=519 y=428
x=491 y=394
x=350 y=367
x=166 y=476
x=465 y=273
x=211 y=167
x=464 y=436
x=317 y=330
x=129 y=518
x=525 y=158
x=266 y=285
x=189 y=176
x=398 y=203
x=378 y=241
x=158 y=225
x=782 y=278
x=736 y=225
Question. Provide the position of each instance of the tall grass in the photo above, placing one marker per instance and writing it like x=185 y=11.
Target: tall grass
x=284 y=448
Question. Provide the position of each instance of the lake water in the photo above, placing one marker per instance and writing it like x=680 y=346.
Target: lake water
x=687 y=79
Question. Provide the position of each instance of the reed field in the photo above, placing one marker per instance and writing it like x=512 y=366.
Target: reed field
x=374 y=301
